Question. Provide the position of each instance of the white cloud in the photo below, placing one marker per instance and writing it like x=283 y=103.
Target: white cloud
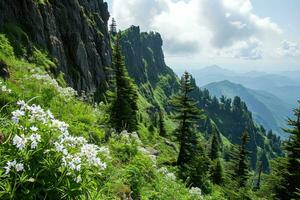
x=289 y=49
x=201 y=27
x=248 y=49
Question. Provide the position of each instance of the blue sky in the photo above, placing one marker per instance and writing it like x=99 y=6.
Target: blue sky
x=261 y=35
x=284 y=12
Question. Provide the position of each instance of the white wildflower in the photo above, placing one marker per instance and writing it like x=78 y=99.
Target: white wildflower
x=19 y=167
x=9 y=165
x=21 y=103
x=33 y=144
x=171 y=176
x=195 y=191
x=34 y=129
x=19 y=141
x=13 y=164
x=65 y=92
x=35 y=137
x=78 y=179
x=4 y=88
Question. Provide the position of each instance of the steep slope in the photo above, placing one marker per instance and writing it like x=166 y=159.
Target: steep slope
x=145 y=62
x=157 y=83
x=74 y=33
x=267 y=109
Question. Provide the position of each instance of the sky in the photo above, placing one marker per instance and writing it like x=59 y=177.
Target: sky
x=241 y=35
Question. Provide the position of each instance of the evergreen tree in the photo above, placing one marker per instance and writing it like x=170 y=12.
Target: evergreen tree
x=124 y=106
x=113 y=27
x=289 y=184
x=187 y=114
x=217 y=174
x=240 y=160
x=192 y=161
x=214 y=147
x=161 y=124
x=217 y=171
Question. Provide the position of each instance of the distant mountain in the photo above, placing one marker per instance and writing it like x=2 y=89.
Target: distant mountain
x=267 y=109
x=284 y=85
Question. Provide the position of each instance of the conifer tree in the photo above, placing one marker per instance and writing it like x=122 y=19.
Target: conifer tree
x=217 y=174
x=217 y=171
x=187 y=114
x=192 y=161
x=214 y=147
x=113 y=27
x=241 y=163
x=289 y=184
x=124 y=106
x=161 y=124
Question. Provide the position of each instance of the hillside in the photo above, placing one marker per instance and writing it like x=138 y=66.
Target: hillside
x=64 y=82
x=267 y=109
x=162 y=91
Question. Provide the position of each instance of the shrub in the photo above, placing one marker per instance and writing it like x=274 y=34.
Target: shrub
x=40 y=157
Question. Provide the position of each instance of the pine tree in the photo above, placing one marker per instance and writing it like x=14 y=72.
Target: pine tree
x=113 y=27
x=217 y=174
x=192 y=161
x=124 y=106
x=161 y=124
x=289 y=185
x=187 y=114
x=214 y=147
x=217 y=171
x=241 y=168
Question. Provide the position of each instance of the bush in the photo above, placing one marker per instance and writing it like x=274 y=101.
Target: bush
x=40 y=157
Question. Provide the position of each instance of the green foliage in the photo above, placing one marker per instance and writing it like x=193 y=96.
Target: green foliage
x=5 y=47
x=240 y=160
x=17 y=37
x=42 y=60
x=217 y=172
x=192 y=161
x=124 y=107
x=285 y=172
x=161 y=124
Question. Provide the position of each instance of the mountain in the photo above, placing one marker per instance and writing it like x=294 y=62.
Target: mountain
x=157 y=83
x=252 y=79
x=59 y=140
x=73 y=33
x=267 y=109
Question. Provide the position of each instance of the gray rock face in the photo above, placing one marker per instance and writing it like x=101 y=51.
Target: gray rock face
x=74 y=32
x=144 y=59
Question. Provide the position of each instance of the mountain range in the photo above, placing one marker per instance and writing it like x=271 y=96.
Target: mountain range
x=270 y=96
x=267 y=109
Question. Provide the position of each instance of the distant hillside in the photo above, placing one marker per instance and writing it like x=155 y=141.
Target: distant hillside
x=267 y=109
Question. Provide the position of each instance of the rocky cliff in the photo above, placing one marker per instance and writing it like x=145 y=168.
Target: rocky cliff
x=74 y=32
x=144 y=59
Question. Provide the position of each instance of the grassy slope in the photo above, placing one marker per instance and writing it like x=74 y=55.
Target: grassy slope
x=138 y=172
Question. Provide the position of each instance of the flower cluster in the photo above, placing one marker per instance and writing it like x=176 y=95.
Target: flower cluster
x=196 y=192
x=76 y=153
x=65 y=92
x=13 y=165
x=4 y=88
x=21 y=141
x=171 y=176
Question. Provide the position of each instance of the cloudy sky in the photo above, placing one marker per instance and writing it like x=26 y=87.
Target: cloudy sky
x=262 y=35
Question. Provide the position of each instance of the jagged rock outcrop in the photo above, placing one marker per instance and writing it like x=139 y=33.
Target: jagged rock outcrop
x=144 y=59
x=74 y=32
